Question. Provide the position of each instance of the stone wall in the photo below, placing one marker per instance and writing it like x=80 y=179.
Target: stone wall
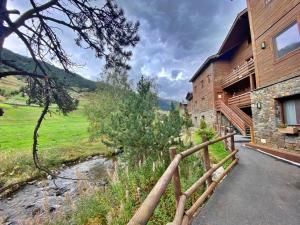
x=267 y=119
x=209 y=117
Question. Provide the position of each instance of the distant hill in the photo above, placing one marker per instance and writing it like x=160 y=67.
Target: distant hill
x=27 y=64
x=72 y=79
x=165 y=104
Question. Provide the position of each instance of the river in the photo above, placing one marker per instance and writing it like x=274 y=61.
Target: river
x=47 y=196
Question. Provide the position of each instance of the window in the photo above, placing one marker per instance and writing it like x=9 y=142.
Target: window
x=288 y=40
x=291 y=110
x=202 y=83
x=208 y=78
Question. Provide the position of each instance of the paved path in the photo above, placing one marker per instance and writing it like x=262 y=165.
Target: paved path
x=260 y=190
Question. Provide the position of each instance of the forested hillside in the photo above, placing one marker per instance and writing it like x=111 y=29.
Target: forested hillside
x=27 y=64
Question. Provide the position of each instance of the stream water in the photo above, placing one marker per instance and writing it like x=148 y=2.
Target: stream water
x=38 y=196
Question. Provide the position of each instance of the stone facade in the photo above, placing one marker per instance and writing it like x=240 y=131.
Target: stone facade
x=267 y=119
x=209 y=117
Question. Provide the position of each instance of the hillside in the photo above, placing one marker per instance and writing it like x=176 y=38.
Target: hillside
x=165 y=104
x=27 y=64
x=14 y=83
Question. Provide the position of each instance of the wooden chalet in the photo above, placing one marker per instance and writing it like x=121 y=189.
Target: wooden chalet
x=223 y=83
x=253 y=82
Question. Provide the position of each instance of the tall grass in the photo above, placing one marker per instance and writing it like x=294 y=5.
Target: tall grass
x=126 y=192
x=129 y=187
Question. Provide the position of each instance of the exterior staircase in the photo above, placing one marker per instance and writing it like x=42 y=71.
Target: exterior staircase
x=237 y=117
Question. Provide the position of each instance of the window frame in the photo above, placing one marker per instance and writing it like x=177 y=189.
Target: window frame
x=281 y=109
x=274 y=44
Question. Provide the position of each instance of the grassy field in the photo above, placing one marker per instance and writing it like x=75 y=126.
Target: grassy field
x=61 y=139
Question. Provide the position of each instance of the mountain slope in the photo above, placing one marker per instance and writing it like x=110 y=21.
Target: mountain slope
x=27 y=64
x=165 y=104
x=72 y=79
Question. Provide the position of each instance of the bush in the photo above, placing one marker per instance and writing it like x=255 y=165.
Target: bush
x=205 y=131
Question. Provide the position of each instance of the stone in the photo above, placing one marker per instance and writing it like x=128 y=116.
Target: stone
x=267 y=118
x=36 y=211
x=217 y=173
x=31 y=182
x=30 y=205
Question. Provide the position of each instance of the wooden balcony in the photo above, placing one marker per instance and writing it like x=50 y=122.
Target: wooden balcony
x=243 y=71
x=242 y=100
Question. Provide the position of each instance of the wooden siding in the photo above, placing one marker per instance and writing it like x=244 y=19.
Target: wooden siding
x=265 y=15
x=221 y=69
x=203 y=96
x=241 y=54
x=280 y=14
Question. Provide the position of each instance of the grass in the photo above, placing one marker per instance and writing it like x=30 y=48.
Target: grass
x=217 y=151
x=61 y=139
x=121 y=199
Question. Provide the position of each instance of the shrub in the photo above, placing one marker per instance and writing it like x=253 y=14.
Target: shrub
x=205 y=131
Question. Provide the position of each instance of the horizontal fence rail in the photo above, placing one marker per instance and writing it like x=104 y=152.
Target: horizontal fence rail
x=183 y=216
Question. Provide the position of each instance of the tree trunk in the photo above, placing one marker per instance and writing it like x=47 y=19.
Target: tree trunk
x=3 y=11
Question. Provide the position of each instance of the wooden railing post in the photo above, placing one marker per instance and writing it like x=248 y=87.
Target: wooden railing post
x=176 y=177
x=206 y=159
x=225 y=140
x=232 y=146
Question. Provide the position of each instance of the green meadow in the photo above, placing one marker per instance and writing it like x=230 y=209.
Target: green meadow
x=61 y=139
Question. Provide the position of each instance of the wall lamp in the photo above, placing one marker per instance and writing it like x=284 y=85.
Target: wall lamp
x=263 y=45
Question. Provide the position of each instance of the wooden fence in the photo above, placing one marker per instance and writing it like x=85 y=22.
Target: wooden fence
x=183 y=216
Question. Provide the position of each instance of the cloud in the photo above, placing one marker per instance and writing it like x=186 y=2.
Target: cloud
x=176 y=37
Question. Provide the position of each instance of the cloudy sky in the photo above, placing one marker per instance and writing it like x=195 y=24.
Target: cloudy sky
x=176 y=37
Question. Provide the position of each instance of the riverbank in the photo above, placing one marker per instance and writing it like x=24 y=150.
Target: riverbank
x=129 y=187
x=39 y=200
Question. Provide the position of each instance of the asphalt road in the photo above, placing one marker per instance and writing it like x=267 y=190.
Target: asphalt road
x=260 y=190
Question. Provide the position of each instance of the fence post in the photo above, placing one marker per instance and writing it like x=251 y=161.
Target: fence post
x=176 y=177
x=206 y=159
x=232 y=146
x=225 y=140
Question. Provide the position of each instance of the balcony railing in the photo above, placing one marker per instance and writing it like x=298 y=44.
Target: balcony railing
x=242 y=100
x=243 y=71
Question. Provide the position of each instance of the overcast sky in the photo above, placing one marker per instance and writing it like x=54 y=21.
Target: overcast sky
x=176 y=37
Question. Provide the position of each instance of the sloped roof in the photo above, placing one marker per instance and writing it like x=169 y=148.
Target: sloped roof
x=239 y=29
x=237 y=32
x=207 y=62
